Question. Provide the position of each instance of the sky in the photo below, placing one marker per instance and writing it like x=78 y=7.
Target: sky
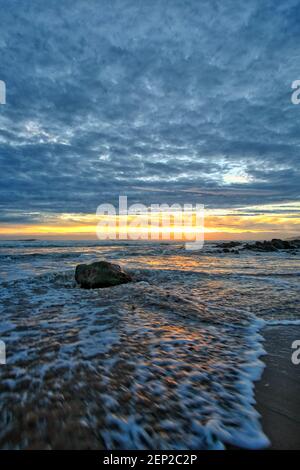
x=171 y=102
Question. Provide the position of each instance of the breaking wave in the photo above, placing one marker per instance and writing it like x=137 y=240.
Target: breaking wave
x=165 y=362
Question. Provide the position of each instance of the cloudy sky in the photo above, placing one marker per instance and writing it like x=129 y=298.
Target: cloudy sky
x=162 y=101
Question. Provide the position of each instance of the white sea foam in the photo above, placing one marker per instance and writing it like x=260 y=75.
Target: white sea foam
x=165 y=362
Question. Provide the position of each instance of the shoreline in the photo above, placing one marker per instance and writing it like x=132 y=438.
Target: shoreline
x=277 y=393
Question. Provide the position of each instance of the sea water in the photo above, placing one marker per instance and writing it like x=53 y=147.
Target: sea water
x=167 y=361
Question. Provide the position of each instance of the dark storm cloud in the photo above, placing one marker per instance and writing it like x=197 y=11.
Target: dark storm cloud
x=156 y=100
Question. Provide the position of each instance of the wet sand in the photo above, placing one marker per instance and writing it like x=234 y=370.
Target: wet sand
x=278 y=392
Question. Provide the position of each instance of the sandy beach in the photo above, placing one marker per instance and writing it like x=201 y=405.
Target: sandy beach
x=166 y=361
x=278 y=392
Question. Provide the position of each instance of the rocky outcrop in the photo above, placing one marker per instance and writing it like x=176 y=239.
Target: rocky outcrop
x=275 y=244
x=100 y=274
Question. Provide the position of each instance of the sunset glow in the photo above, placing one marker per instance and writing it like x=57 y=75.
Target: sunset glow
x=149 y=229
x=276 y=221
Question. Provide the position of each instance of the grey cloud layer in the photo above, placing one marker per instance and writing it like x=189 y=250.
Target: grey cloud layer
x=157 y=100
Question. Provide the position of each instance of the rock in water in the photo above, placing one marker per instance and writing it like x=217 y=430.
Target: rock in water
x=100 y=274
x=274 y=245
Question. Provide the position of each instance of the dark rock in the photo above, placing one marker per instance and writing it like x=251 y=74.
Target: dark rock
x=288 y=245
x=100 y=274
x=268 y=246
x=277 y=243
x=273 y=245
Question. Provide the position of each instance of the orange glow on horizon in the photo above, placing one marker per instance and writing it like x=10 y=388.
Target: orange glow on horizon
x=216 y=225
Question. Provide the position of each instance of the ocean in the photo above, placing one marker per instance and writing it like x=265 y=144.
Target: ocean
x=167 y=361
